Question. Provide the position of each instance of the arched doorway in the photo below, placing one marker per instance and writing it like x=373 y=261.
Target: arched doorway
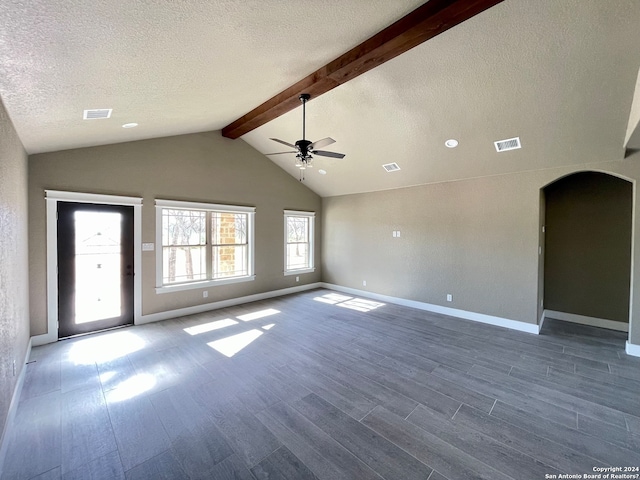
x=587 y=249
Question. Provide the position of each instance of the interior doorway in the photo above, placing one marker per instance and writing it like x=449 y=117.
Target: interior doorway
x=587 y=225
x=95 y=267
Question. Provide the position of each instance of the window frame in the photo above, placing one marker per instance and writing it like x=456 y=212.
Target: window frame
x=311 y=218
x=206 y=207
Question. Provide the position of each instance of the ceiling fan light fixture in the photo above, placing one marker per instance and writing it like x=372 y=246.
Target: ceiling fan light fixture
x=305 y=148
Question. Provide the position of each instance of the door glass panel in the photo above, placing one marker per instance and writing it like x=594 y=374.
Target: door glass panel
x=98 y=266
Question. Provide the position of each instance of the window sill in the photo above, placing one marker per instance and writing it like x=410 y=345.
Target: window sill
x=203 y=284
x=299 y=271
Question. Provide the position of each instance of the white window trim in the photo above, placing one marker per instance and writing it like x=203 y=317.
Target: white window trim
x=208 y=207
x=312 y=241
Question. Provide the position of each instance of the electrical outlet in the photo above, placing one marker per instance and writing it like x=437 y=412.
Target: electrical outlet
x=297 y=279
x=449 y=297
x=205 y=294
x=364 y=283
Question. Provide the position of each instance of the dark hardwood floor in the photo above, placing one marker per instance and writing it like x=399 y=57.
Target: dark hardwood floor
x=324 y=385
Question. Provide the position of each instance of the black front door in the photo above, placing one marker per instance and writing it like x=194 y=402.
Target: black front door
x=95 y=267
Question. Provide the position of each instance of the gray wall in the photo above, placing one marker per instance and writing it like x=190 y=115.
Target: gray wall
x=588 y=246
x=201 y=167
x=14 y=300
x=477 y=239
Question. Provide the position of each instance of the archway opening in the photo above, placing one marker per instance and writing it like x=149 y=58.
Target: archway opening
x=587 y=249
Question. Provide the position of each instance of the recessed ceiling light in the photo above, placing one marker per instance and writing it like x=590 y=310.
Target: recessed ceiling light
x=451 y=143
x=129 y=125
x=322 y=172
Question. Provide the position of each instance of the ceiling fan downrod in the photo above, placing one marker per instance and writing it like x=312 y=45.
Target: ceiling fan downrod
x=304 y=97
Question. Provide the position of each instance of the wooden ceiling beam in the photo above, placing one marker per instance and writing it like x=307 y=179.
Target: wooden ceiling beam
x=424 y=23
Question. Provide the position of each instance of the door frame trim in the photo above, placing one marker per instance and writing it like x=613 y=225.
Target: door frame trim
x=52 y=198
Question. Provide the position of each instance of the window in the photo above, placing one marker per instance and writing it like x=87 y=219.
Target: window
x=202 y=244
x=298 y=248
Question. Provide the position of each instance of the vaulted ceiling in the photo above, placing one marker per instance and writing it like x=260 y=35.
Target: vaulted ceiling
x=559 y=74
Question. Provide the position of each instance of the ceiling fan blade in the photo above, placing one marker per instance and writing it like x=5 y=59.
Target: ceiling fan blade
x=324 y=153
x=321 y=143
x=280 y=153
x=283 y=142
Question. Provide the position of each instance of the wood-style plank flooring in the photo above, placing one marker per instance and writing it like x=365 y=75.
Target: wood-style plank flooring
x=324 y=385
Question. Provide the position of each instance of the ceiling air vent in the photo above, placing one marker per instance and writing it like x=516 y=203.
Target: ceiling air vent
x=391 y=167
x=509 y=144
x=97 y=113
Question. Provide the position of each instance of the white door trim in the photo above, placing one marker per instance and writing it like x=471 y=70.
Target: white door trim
x=52 y=198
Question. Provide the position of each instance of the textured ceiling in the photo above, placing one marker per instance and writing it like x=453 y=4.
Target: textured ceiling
x=560 y=74
x=172 y=66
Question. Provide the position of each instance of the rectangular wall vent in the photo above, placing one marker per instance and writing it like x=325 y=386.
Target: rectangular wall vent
x=391 y=167
x=97 y=113
x=508 y=144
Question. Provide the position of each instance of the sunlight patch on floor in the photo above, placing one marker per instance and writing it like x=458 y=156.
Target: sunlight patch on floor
x=344 y=301
x=360 y=305
x=106 y=376
x=105 y=348
x=210 y=326
x=332 y=298
x=229 y=346
x=131 y=387
x=256 y=315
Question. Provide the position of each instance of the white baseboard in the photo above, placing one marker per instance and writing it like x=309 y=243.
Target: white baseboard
x=584 y=320
x=632 y=349
x=43 y=339
x=181 y=312
x=454 y=312
x=13 y=407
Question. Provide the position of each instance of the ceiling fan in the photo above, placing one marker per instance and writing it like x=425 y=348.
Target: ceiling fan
x=304 y=149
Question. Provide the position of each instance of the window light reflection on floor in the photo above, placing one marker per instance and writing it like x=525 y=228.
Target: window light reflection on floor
x=106 y=376
x=105 y=348
x=131 y=387
x=359 y=304
x=210 y=326
x=229 y=346
x=332 y=298
x=256 y=315
x=268 y=327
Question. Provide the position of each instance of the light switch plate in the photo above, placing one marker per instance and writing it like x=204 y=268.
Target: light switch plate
x=148 y=247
